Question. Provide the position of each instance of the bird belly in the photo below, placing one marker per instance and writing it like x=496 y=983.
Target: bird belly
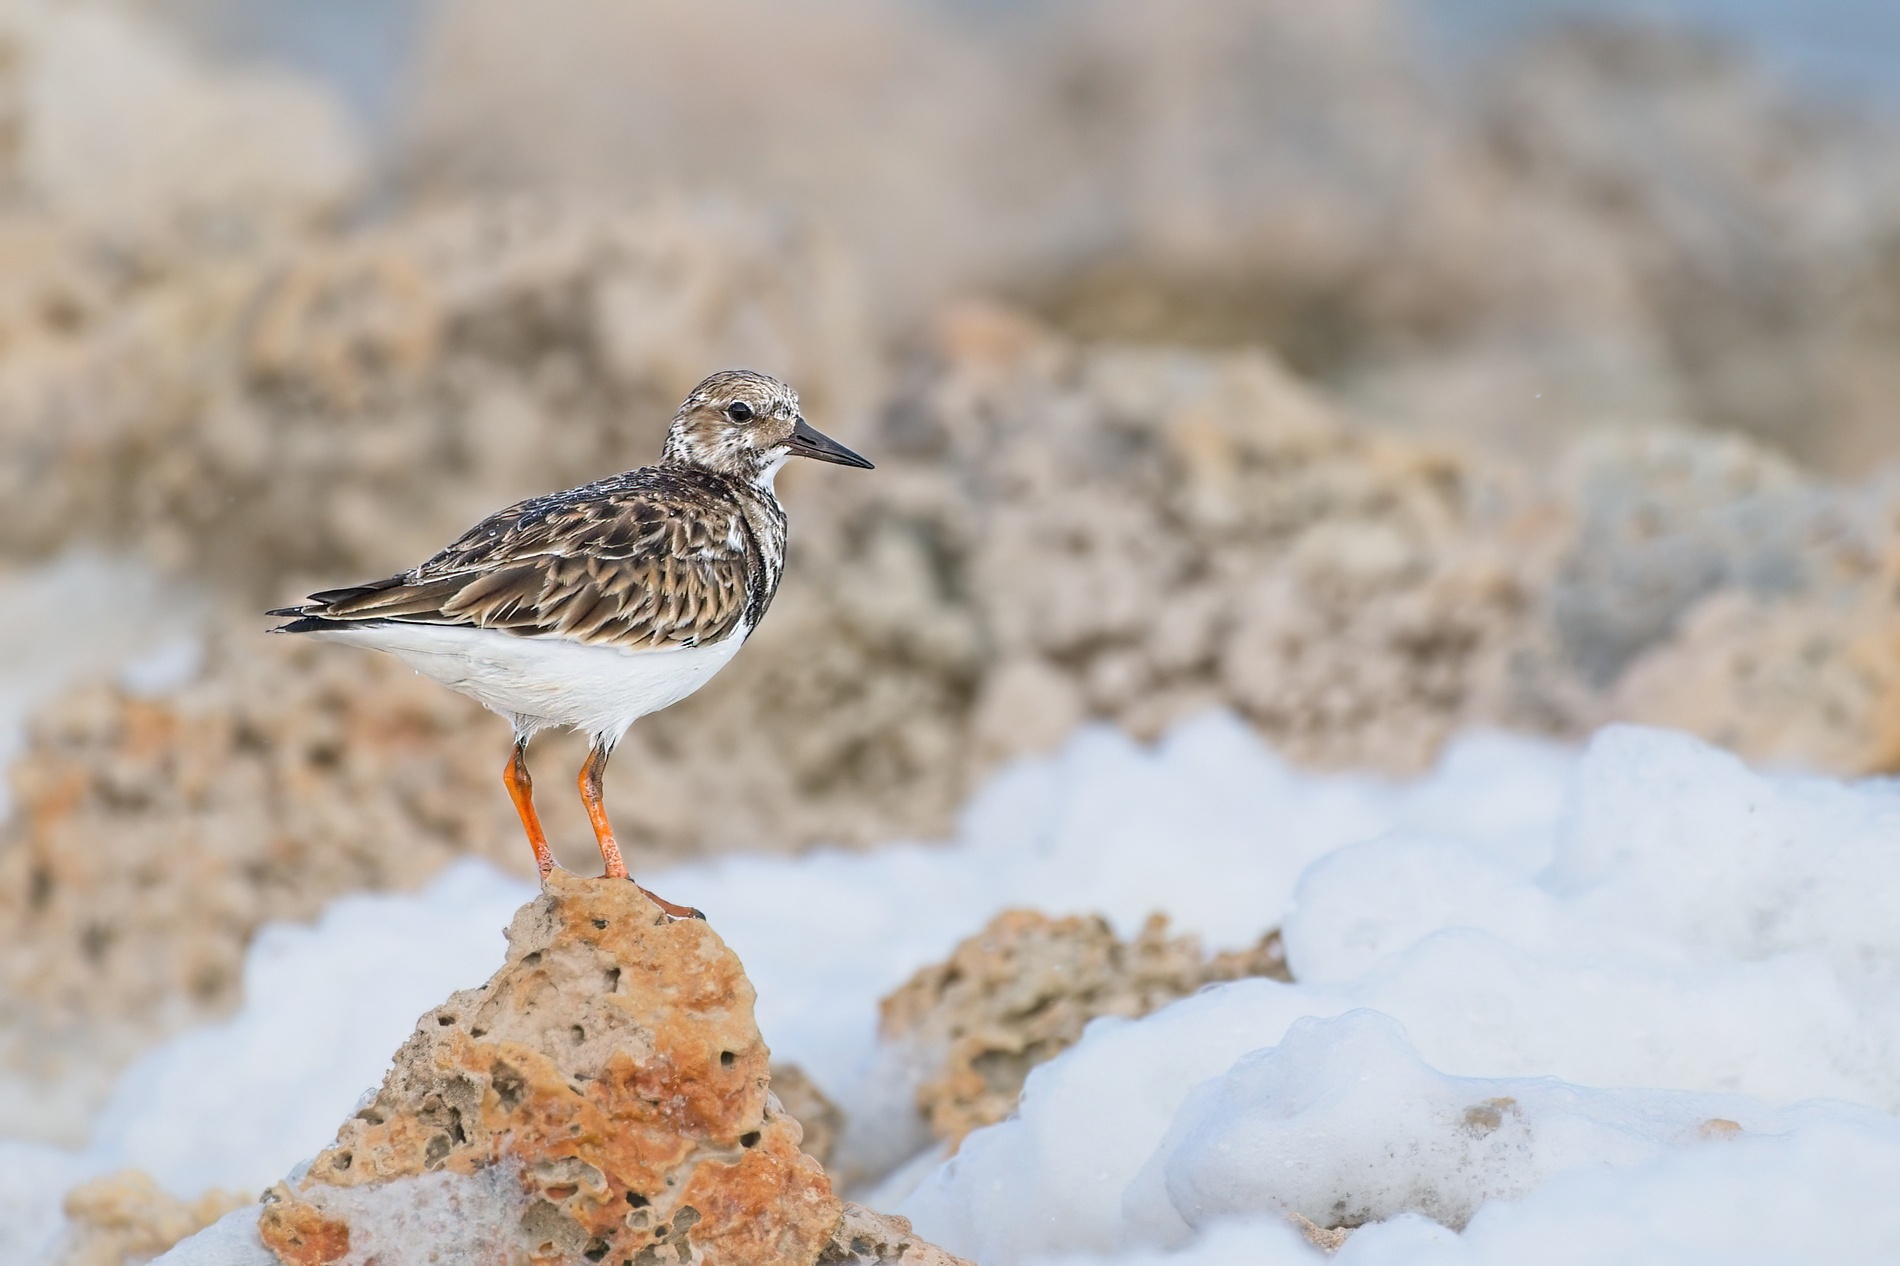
x=600 y=690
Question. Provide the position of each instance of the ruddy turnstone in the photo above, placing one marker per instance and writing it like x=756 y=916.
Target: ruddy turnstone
x=593 y=607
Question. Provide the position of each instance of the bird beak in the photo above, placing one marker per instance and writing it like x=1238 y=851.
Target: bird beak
x=806 y=442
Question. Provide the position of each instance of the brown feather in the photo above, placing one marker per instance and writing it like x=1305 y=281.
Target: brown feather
x=662 y=556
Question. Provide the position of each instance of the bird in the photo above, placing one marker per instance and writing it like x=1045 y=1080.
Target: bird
x=591 y=608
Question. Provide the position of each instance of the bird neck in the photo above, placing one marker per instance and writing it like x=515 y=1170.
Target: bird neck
x=724 y=455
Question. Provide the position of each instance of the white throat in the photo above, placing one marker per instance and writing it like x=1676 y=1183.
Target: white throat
x=763 y=480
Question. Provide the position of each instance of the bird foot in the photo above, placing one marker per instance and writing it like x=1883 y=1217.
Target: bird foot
x=670 y=910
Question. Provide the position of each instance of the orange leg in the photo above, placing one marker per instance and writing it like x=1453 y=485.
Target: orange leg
x=521 y=791
x=592 y=770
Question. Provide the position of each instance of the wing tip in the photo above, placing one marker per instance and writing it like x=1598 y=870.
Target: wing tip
x=330 y=597
x=309 y=615
x=321 y=624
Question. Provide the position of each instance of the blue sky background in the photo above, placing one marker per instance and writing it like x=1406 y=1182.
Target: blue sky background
x=1843 y=49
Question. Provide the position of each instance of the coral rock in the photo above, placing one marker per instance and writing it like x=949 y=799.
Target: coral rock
x=1021 y=991
x=124 y=1217
x=1779 y=682
x=821 y=1119
x=864 y=1237
x=1329 y=1239
x=605 y=1096
x=261 y=792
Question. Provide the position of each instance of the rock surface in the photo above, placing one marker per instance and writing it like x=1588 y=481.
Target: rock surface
x=604 y=1097
x=864 y=1237
x=821 y=1120
x=1144 y=532
x=123 y=1219
x=1021 y=991
x=257 y=412
x=152 y=836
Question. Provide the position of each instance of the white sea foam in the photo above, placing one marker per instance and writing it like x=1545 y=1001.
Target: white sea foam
x=1692 y=926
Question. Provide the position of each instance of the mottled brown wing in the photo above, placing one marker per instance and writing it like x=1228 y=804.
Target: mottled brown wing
x=636 y=567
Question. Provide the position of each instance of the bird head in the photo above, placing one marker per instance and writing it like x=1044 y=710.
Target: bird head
x=747 y=425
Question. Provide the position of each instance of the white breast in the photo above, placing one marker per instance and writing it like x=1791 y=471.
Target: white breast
x=544 y=681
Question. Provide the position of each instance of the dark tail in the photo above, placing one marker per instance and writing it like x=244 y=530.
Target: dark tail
x=308 y=623
x=309 y=618
x=317 y=623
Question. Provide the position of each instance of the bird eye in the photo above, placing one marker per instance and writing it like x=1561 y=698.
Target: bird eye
x=739 y=411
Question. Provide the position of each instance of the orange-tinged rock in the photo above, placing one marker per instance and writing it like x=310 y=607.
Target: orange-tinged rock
x=603 y=1098
x=302 y=1236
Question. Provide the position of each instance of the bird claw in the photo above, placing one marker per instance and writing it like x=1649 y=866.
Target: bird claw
x=670 y=910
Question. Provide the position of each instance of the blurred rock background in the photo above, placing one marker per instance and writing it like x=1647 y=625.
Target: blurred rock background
x=1238 y=353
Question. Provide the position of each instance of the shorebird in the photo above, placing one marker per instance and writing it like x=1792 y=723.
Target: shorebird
x=593 y=607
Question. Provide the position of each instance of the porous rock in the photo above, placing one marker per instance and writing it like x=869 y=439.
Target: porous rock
x=864 y=1237
x=257 y=411
x=1328 y=1239
x=1666 y=516
x=152 y=836
x=1804 y=683
x=604 y=1097
x=1021 y=991
x=124 y=1218
x=1146 y=532
x=821 y=1120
